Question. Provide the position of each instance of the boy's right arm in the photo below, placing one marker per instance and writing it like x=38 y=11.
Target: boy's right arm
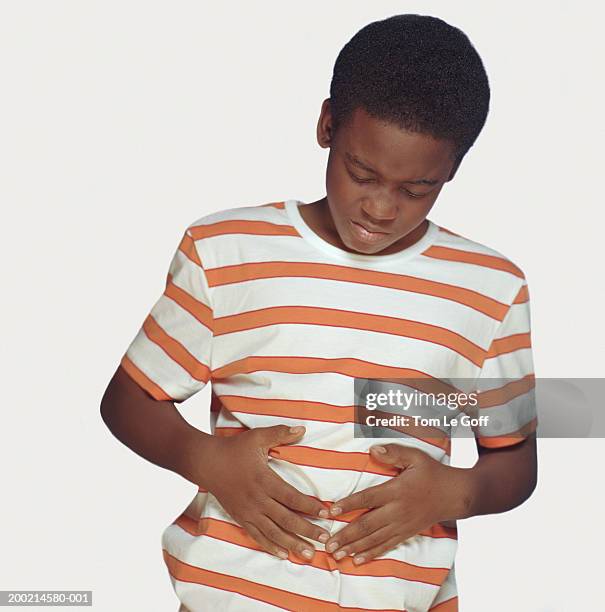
x=234 y=469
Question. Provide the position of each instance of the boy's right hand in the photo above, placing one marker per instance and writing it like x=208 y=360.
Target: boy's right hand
x=256 y=497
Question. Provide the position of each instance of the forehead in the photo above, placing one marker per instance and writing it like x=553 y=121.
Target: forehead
x=391 y=151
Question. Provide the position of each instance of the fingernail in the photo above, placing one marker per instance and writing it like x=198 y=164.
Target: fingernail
x=335 y=509
x=323 y=538
x=282 y=554
x=297 y=430
x=358 y=560
x=379 y=449
x=340 y=554
x=307 y=553
x=324 y=513
x=332 y=546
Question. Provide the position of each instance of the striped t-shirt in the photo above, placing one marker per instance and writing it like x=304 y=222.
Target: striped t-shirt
x=282 y=322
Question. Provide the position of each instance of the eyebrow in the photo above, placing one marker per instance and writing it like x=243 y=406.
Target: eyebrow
x=355 y=160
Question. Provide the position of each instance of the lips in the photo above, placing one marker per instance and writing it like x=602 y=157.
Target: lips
x=366 y=235
x=370 y=229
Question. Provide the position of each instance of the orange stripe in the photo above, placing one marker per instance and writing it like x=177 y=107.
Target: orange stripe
x=187 y=246
x=479 y=259
x=269 y=595
x=143 y=380
x=522 y=296
x=322 y=458
x=234 y=534
x=333 y=317
x=512 y=438
x=199 y=310
x=287 y=408
x=237 y=273
x=327 y=413
x=348 y=366
x=508 y=344
x=175 y=350
x=275 y=204
x=449 y=605
x=258 y=228
x=506 y=393
x=332 y=460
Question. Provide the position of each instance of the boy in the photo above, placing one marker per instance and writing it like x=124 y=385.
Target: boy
x=282 y=305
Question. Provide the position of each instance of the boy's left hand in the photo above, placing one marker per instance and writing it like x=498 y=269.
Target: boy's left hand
x=424 y=493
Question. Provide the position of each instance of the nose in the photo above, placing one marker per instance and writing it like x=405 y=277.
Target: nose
x=379 y=213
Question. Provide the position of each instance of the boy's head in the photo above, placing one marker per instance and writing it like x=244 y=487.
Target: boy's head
x=408 y=98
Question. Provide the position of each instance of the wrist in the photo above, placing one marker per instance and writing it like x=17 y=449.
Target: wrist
x=196 y=449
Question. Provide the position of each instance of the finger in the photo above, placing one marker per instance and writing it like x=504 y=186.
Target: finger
x=289 y=496
x=373 y=540
x=276 y=435
x=376 y=551
x=263 y=541
x=364 y=525
x=396 y=454
x=293 y=523
x=372 y=497
x=275 y=534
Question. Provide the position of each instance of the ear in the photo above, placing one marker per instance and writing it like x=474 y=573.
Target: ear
x=324 y=125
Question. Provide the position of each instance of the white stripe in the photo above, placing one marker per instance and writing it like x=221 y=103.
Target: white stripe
x=324 y=435
x=236 y=249
x=448 y=588
x=327 y=342
x=156 y=365
x=201 y=598
x=501 y=369
x=253 y=212
x=355 y=298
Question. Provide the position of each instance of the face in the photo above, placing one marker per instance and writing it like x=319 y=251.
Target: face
x=381 y=182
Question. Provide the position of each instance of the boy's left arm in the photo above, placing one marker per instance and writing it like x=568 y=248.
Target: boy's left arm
x=428 y=492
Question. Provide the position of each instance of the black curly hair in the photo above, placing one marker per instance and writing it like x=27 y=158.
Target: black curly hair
x=417 y=72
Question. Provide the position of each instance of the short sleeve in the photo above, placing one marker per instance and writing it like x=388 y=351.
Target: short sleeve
x=506 y=384
x=170 y=357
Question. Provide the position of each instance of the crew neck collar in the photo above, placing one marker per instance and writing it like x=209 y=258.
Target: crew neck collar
x=292 y=209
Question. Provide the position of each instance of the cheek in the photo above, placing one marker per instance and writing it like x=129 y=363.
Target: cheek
x=428 y=205
x=338 y=183
x=424 y=209
x=415 y=215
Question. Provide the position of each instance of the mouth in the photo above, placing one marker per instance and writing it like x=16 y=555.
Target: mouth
x=366 y=235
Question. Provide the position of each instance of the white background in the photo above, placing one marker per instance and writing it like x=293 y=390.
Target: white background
x=122 y=122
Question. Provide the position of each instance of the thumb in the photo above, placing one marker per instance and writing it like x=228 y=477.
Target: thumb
x=394 y=454
x=281 y=434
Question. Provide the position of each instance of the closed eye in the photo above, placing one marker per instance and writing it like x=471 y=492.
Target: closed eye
x=414 y=195
x=358 y=179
